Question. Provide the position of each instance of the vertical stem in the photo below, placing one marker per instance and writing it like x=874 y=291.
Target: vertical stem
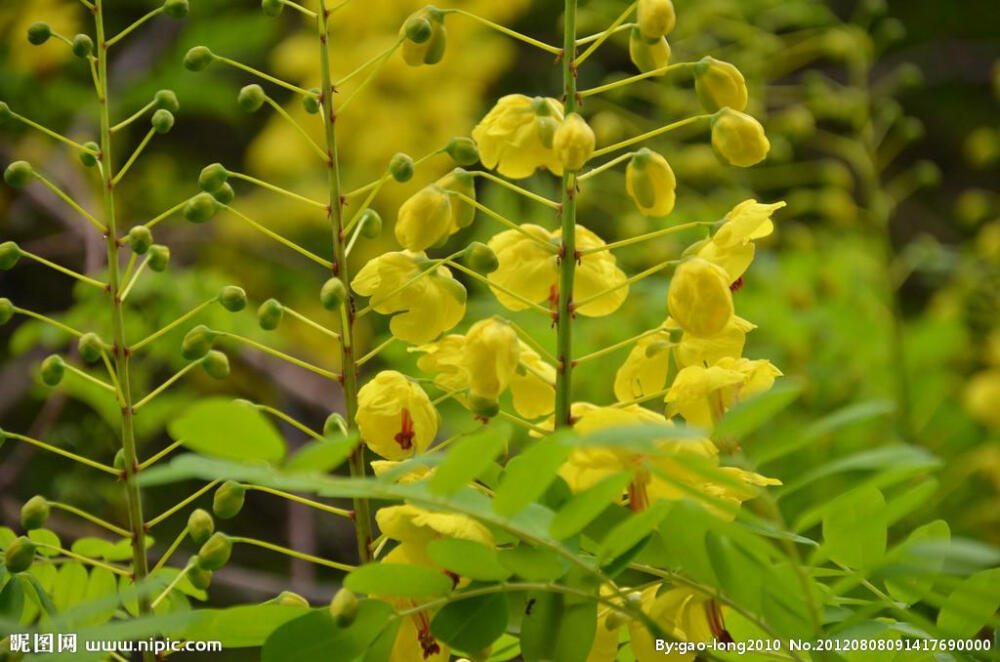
x=349 y=367
x=120 y=350
x=567 y=255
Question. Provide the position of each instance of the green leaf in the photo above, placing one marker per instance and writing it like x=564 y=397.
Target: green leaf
x=558 y=628
x=11 y=603
x=854 y=528
x=909 y=501
x=70 y=587
x=100 y=584
x=399 y=580
x=316 y=636
x=914 y=573
x=229 y=429
x=741 y=577
x=472 y=624
x=754 y=412
x=95 y=548
x=584 y=507
x=47 y=538
x=241 y=627
x=469 y=457
x=534 y=564
x=852 y=413
x=898 y=457
x=971 y=605
x=529 y=474
x=468 y=558
x=629 y=532
x=322 y=456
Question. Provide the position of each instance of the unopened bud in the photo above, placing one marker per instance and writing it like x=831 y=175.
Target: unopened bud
x=311 y=101
x=212 y=177
x=651 y=183
x=52 y=370
x=175 y=8
x=197 y=342
x=34 y=513
x=927 y=173
x=6 y=311
x=19 y=555
x=417 y=29
x=613 y=621
x=225 y=194
x=656 y=18
x=228 y=500
x=371 y=224
x=460 y=181
x=463 y=150
x=18 y=174
x=739 y=138
x=88 y=157
x=424 y=218
x=483 y=407
x=198 y=58
x=215 y=552
x=82 y=45
x=216 y=364
x=334 y=425
x=648 y=54
x=291 y=599
x=481 y=258
x=333 y=294
x=91 y=347
x=200 y=578
x=167 y=100
x=9 y=255
x=39 y=33
x=272 y=7
x=719 y=85
x=233 y=298
x=573 y=142
x=159 y=257
x=201 y=207
x=344 y=607
x=140 y=239
x=269 y=314
x=421 y=46
x=251 y=98
x=401 y=167
x=162 y=121
x=200 y=525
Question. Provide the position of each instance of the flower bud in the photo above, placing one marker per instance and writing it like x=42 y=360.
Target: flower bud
x=233 y=298
x=401 y=167
x=212 y=177
x=699 y=298
x=159 y=256
x=927 y=173
x=332 y=294
x=251 y=98
x=216 y=364
x=197 y=342
x=18 y=174
x=201 y=207
x=739 y=138
x=426 y=48
x=423 y=219
x=481 y=258
x=200 y=525
x=162 y=120
x=370 y=223
x=53 y=369
x=291 y=599
x=140 y=239
x=175 y=8
x=483 y=407
x=198 y=58
x=19 y=555
x=656 y=18
x=271 y=7
x=119 y=461
x=417 y=29
x=344 y=607
x=34 y=513
x=463 y=213
x=200 y=578
x=89 y=157
x=228 y=500
x=5 y=112
x=719 y=85
x=573 y=142
x=463 y=150
x=648 y=54
x=9 y=255
x=39 y=33
x=6 y=312
x=225 y=195
x=167 y=100
x=215 y=552
x=91 y=347
x=82 y=45
x=650 y=182
x=311 y=101
x=269 y=314
x=334 y=425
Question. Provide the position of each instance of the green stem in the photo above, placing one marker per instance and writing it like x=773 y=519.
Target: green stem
x=277 y=413
x=135 y=156
x=531 y=342
x=133 y=280
x=160 y=455
x=605 y=166
x=308 y=322
x=650 y=134
x=503 y=220
x=262 y=75
x=633 y=79
x=61 y=269
x=517 y=189
x=645 y=237
x=292 y=553
x=486 y=281
x=48 y=320
x=281 y=355
x=618 y=345
x=295 y=125
x=49 y=132
x=297 y=499
x=277 y=189
x=364 y=205
x=58 y=451
x=165 y=385
x=281 y=240
x=628 y=281
x=180 y=320
x=375 y=352
x=369 y=78
x=173 y=509
x=121 y=35
x=604 y=35
x=90 y=378
x=133 y=117
x=176 y=208
x=170 y=587
x=71 y=202
x=299 y=8
x=386 y=53
x=170 y=550
x=85 y=559
x=90 y=518
x=510 y=33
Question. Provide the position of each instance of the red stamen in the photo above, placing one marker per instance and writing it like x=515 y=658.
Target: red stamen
x=405 y=435
x=737 y=285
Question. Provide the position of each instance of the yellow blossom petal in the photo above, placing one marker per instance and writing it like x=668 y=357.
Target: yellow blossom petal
x=532 y=390
x=702 y=350
x=732 y=247
x=645 y=369
x=424 y=219
x=514 y=137
x=699 y=298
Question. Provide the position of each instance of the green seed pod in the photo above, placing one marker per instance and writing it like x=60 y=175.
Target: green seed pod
x=233 y=298
x=162 y=121
x=140 y=239
x=290 y=599
x=200 y=525
x=463 y=150
x=197 y=342
x=198 y=58
x=228 y=500
x=9 y=255
x=200 y=578
x=119 y=461
x=83 y=45
x=39 y=33
x=333 y=294
x=269 y=314
x=215 y=552
x=19 y=555
x=401 y=167
x=6 y=310
x=201 y=207
x=251 y=98
x=483 y=407
x=91 y=347
x=371 y=224
x=344 y=607
x=334 y=425
x=225 y=194
x=5 y=112
x=89 y=157
x=417 y=29
x=18 y=174
x=271 y=7
x=216 y=364
x=167 y=100
x=159 y=256
x=34 y=513
x=311 y=101
x=52 y=370
x=719 y=85
x=175 y=8
x=212 y=177
x=481 y=258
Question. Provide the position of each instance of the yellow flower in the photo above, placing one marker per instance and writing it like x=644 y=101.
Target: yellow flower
x=492 y=352
x=656 y=18
x=699 y=298
x=759 y=376
x=529 y=270
x=707 y=350
x=516 y=135
x=650 y=182
x=739 y=138
x=395 y=417
x=645 y=369
x=424 y=219
x=388 y=467
x=428 y=306
x=573 y=142
x=648 y=54
x=719 y=85
x=732 y=247
x=702 y=395
x=682 y=612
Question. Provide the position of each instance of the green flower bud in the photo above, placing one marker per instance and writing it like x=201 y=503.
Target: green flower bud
x=417 y=29
x=18 y=174
x=481 y=258
x=463 y=150
x=233 y=298
x=82 y=45
x=91 y=347
x=269 y=314
x=739 y=138
x=201 y=207
x=34 y=513
x=200 y=525
x=225 y=195
x=212 y=177
x=291 y=599
x=5 y=112
x=334 y=425
x=119 y=461
x=719 y=85
x=344 y=607
x=89 y=157
x=216 y=364
x=39 y=33
x=370 y=223
x=19 y=555
x=215 y=552
x=53 y=369
x=9 y=255
x=430 y=47
x=198 y=58
x=271 y=7
x=311 y=101
x=197 y=342
x=228 y=500
x=613 y=621
x=175 y=8
x=927 y=173
x=648 y=54
x=163 y=120
x=333 y=294
x=159 y=256
x=251 y=98
x=167 y=100
x=6 y=311
x=656 y=18
x=401 y=167
x=200 y=578
x=140 y=239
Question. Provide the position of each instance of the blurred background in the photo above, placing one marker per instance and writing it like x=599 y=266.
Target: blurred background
x=879 y=289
